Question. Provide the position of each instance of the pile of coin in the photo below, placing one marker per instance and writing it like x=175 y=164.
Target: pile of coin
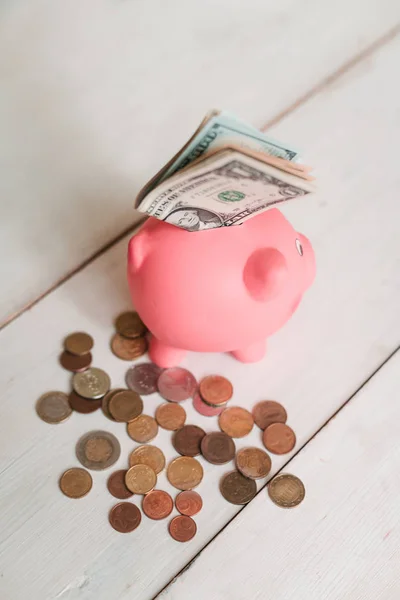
x=99 y=450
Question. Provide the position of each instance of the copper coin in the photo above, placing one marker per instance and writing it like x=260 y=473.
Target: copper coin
x=189 y=503
x=53 y=407
x=143 y=378
x=75 y=363
x=267 y=412
x=238 y=489
x=218 y=448
x=215 y=390
x=82 y=405
x=286 y=490
x=148 y=455
x=185 y=473
x=106 y=401
x=170 y=416
x=128 y=349
x=78 y=343
x=236 y=421
x=98 y=450
x=140 y=479
x=92 y=384
x=125 y=517
x=187 y=440
x=76 y=483
x=142 y=429
x=279 y=438
x=253 y=463
x=182 y=528
x=205 y=409
x=125 y=406
x=176 y=384
x=157 y=505
x=130 y=325
x=116 y=485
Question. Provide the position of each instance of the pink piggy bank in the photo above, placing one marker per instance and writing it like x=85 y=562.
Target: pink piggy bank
x=219 y=290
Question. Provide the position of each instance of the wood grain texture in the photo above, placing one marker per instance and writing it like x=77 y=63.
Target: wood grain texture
x=96 y=95
x=345 y=328
x=343 y=541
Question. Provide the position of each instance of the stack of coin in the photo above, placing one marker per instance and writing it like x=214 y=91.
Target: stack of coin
x=277 y=437
x=213 y=395
x=76 y=356
x=89 y=389
x=129 y=342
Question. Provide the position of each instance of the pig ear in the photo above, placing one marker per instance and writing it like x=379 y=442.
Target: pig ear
x=138 y=249
x=265 y=274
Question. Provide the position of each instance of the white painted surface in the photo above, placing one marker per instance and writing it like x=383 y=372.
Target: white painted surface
x=52 y=547
x=97 y=94
x=343 y=541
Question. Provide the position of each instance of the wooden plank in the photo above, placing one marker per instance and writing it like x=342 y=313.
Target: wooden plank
x=345 y=328
x=97 y=95
x=343 y=541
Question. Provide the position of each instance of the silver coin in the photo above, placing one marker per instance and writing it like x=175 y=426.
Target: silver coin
x=143 y=378
x=53 y=407
x=92 y=383
x=98 y=450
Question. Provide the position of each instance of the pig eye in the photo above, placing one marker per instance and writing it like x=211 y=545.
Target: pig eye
x=299 y=247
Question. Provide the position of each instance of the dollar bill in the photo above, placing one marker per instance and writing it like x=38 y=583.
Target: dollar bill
x=222 y=190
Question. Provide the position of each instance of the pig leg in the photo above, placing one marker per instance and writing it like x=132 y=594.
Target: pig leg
x=252 y=353
x=163 y=355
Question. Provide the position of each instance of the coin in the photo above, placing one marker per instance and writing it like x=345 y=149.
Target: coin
x=92 y=383
x=75 y=363
x=143 y=378
x=176 y=384
x=140 y=479
x=218 y=448
x=205 y=409
x=286 y=490
x=267 y=412
x=236 y=421
x=148 y=455
x=78 y=343
x=157 y=505
x=182 y=528
x=128 y=349
x=143 y=429
x=125 y=517
x=189 y=503
x=170 y=416
x=116 y=485
x=53 y=407
x=125 y=405
x=185 y=473
x=253 y=463
x=98 y=450
x=279 y=438
x=187 y=440
x=237 y=489
x=76 y=483
x=215 y=390
x=106 y=401
x=130 y=325
x=82 y=405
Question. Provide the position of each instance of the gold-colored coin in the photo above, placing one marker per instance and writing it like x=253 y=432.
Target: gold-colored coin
x=128 y=349
x=91 y=384
x=286 y=490
x=140 y=479
x=98 y=450
x=149 y=455
x=171 y=416
x=143 y=429
x=236 y=421
x=78 y=343
x=53 y=407
x=237 y=489
x=125 y=406
x=253 y=463
x=185 y=473
x=76 y=483
x=130 y=325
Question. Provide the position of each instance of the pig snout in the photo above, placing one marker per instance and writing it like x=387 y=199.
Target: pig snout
x=265 y=274
x=309 y=260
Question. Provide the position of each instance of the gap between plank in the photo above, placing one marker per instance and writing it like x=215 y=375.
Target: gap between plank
x=262 y=489
x=368 y=51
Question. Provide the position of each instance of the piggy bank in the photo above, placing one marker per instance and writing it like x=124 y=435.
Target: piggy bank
x=220 y=290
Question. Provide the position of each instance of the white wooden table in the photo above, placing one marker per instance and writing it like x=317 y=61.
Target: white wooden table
x=96 y=96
